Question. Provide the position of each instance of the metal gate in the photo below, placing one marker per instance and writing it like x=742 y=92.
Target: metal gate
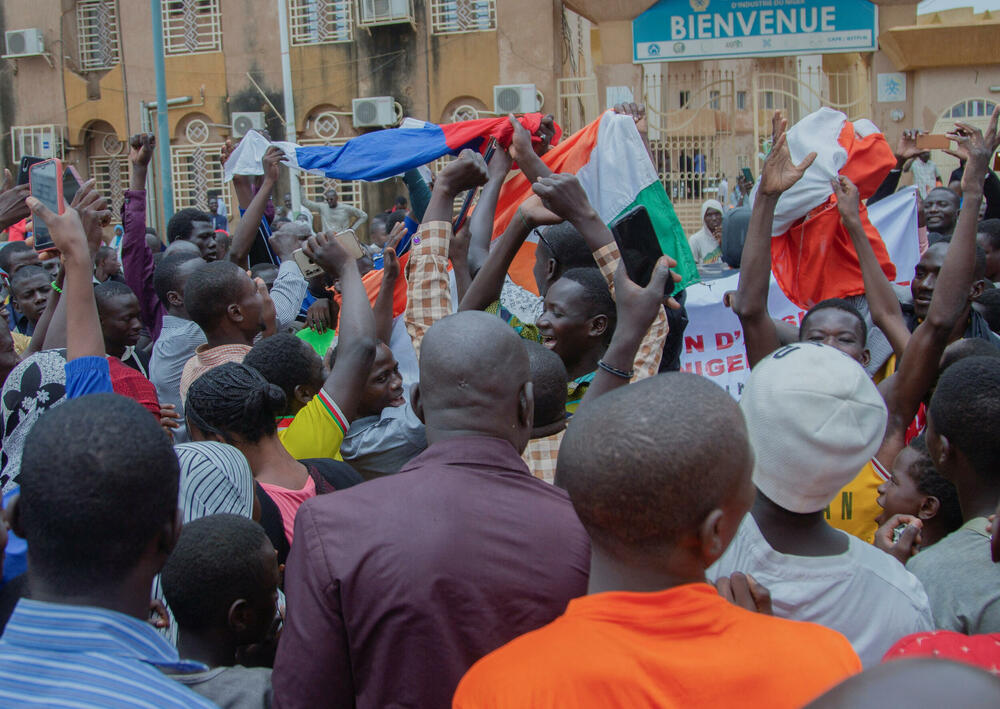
x=708 y=126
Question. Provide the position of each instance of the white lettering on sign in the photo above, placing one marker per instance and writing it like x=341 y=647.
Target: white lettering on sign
x=765 y=22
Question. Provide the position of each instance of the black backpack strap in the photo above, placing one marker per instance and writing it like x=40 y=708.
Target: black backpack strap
x=334 y=473
x=270 y=520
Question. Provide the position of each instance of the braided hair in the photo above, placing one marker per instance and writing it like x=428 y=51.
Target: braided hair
x=233 y=400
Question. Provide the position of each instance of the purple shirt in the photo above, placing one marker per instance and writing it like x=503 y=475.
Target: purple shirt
x=137 y=261
x=397 y=586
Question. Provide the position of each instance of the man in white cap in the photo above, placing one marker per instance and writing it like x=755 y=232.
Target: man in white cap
x=814 y=419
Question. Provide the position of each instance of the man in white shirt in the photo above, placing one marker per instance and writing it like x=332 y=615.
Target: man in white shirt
x=815 y=418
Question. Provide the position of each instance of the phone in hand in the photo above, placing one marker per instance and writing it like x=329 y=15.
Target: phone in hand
x=933 y=141
x=26 y=162
x=639 y=247
x=308 y=267
x=72 y=181
x=347 y=239
x=45 y=180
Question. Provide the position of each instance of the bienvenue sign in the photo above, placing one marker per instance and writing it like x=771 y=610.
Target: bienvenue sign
x=684 y=30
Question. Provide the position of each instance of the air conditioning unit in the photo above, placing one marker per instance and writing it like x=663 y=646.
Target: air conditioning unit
x=25 y=43
x=384 y=12
x=515 y=98
x=374 y=112
x=244 y=122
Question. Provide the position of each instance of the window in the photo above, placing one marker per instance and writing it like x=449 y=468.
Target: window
x=976 y=108
x=769 y=100
x=196 y=173
x=191 y=26
x=110 y=175
x=454 y=16
x=713 y=100
x=40 y=141
x=684 y=98
x=97 y=34
x=320 y=21
x=741 y=100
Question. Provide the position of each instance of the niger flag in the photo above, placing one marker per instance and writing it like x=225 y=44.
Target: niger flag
x=611 y=162
x=812 y=256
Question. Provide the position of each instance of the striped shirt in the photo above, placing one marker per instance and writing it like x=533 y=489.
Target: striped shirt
x=316 y=430
x=56 y=655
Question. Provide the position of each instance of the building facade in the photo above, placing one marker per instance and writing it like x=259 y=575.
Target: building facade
x=78 y=78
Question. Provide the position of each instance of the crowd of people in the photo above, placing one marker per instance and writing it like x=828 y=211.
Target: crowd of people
x=405 y=480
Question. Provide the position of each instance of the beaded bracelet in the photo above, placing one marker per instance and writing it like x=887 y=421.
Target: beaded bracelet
x=617 y=372
x=56 y=288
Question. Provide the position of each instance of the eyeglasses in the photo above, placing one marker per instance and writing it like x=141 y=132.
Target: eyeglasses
x=541 y=237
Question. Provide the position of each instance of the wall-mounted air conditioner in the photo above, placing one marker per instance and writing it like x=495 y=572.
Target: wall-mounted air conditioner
x=515 y=98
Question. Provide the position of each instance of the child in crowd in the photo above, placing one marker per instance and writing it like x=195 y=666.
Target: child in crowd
x=221 y=582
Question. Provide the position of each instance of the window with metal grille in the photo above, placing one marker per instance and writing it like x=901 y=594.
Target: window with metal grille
x=191 y=26
x=196 y=173
x=320 y=21
x=455 y=16
x=97 y=34
x=39 y=141
x=110 y=175
x=741 y=100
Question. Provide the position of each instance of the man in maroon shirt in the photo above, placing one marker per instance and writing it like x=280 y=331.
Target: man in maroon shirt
x=396 y=587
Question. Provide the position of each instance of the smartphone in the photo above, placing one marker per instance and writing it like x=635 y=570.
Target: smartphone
x=22 y=172
x=639 y=247
x=306 y=265
x=463 y=213
x=933 y=141
x=72 y=181
x=347 y=239
x=46 y=182
x=996 y=162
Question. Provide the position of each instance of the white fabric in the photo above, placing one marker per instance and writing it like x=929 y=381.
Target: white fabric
x=245 y=158
x=818 y=132
x=618 y=169
x=864 y=593
x=810 y=434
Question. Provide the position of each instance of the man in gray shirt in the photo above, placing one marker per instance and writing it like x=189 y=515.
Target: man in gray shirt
x=336 y=217
x=963 y=437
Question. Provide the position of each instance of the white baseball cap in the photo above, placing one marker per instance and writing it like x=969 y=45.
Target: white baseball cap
x=815 y=419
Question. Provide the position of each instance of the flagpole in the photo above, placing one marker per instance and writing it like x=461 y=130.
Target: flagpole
x=162 y=110
x=286 y=80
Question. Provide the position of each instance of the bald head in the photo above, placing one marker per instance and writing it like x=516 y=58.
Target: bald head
x=474 y=379
x=922 y=683
x=645 y=464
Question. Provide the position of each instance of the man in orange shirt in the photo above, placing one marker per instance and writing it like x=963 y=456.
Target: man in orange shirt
x=652 y=633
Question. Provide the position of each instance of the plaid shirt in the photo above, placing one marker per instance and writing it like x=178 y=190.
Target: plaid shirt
x=206 y=358
x=540 y=455
x=428 y=290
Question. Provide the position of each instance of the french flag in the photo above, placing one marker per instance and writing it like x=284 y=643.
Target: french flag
x=381 y=154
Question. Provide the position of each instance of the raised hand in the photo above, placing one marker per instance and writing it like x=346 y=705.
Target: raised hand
x=66 y=229
x=272 y=161
x=979 y=148
x=563 y=195
x=638 y=306
x=848 y=199
x=465 y=173
x=94 y=214
x=319 y=316
x=227 y=150
x=499 y=164
x=329 y=255
x=521 y=149
x=141 y=148
x=637 y=111
x=906 y=146
x=12 y=206
x=779 y=172
x=535 y=213
x=390 y=261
